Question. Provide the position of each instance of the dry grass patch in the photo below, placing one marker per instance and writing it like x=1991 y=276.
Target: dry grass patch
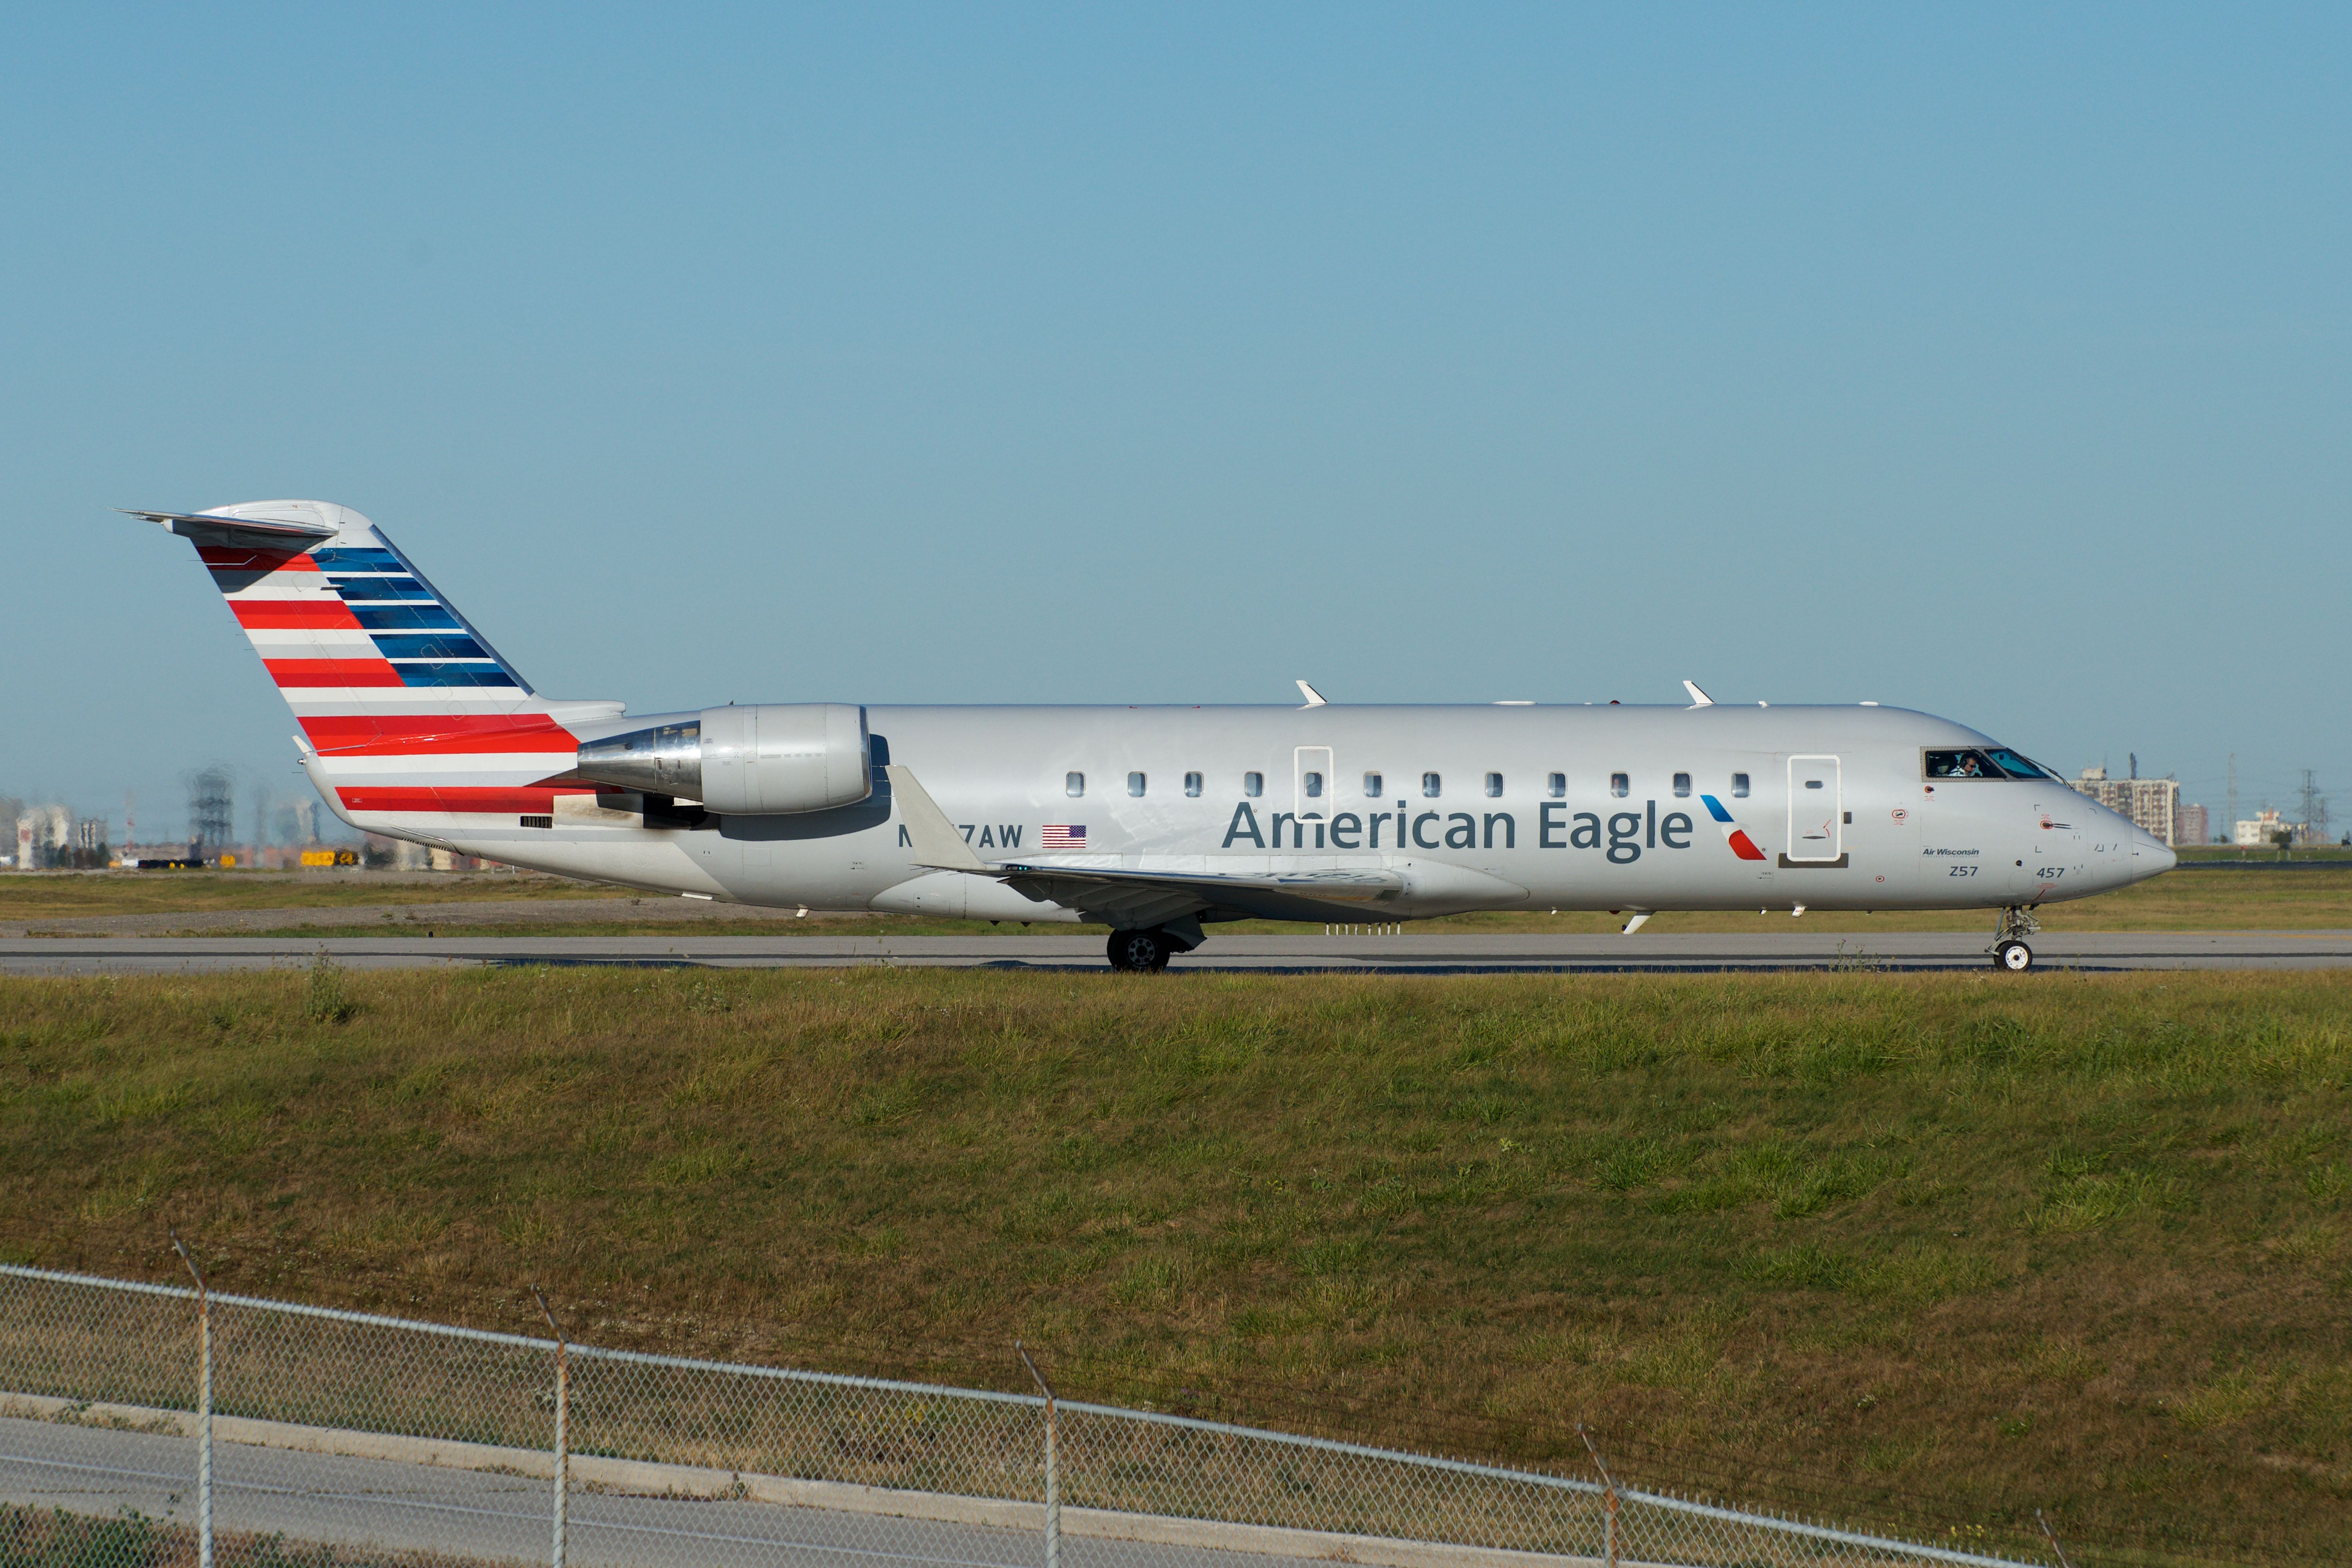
x=1935 y=1247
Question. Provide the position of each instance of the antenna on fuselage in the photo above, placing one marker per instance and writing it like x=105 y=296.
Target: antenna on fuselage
x=1698 y=699
x=1314 y=697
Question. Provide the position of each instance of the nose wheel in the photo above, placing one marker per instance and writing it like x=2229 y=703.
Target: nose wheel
x=2009 y=949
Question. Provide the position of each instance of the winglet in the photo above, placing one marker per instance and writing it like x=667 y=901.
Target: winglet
x=1314 y=697
x=933 y=838
x=1698 y=699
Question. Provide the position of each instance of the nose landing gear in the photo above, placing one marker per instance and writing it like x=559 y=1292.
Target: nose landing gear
x=2009 y=953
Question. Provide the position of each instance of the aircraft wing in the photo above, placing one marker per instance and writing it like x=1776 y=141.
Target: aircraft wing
x=1117 y=894
x=1121 y=897
x=1338 y=882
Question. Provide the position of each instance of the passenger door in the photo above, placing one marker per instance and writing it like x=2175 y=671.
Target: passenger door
x=1816 y=810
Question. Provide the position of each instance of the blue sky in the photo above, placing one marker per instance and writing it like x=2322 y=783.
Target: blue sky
x=1988 y=360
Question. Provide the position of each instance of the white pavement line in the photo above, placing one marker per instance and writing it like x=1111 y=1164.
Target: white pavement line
x=646 y=1479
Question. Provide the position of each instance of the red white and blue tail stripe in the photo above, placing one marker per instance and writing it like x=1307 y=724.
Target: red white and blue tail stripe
x=1733 y=834
x=412 y=723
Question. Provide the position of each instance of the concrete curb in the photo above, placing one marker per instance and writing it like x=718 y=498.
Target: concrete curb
x=640 y=1478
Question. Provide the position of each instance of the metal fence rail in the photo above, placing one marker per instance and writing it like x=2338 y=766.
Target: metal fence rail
x=340 y=1439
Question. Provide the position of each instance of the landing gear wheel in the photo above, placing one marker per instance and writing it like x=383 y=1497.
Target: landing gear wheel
x=2014 y=956
x=1139 y=951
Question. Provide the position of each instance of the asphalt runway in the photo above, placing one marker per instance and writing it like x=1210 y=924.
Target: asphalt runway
x=479 y=1515
x=1664 y=952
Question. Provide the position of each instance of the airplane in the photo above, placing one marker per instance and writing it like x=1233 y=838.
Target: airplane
x=1156 y=821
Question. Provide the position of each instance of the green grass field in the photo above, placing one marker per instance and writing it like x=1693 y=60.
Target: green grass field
x=1927 y=1250
x=61 y=896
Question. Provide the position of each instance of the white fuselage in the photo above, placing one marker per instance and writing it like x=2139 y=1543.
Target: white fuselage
x=1487 y=806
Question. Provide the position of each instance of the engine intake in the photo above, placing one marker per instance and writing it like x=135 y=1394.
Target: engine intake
x=765 y=759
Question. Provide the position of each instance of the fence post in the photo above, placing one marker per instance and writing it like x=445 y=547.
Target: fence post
x=1608 y=1520
x=562 y=1422
x=204 y=1404
x=2053 y=1534
x=1053 y=1478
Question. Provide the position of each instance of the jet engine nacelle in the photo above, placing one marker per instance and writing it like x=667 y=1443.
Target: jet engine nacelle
x=769 y=758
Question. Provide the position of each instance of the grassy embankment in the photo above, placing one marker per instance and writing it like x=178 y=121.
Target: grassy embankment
x=1922 y=1250
x=2233 y=899
x=71 y=895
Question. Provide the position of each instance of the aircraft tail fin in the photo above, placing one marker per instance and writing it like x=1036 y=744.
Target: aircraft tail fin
x=404 y=706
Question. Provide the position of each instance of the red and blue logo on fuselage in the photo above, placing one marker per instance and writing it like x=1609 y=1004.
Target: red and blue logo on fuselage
x=1733 y=834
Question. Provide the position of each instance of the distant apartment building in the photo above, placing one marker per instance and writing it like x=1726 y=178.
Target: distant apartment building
x=2153 y=804
x=2262 y=830
x=2192 y=824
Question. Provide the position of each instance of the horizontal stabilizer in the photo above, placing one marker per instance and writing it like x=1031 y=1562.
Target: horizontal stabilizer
x=217 y=530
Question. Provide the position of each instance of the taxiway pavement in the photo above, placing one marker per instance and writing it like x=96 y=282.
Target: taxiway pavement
x=1643 y=951
x=461 y=1516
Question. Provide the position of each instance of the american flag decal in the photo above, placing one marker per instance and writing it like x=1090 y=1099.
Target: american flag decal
x=1063 y=836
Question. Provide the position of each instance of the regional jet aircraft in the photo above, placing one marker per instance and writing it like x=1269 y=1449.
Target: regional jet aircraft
x=1157 y=822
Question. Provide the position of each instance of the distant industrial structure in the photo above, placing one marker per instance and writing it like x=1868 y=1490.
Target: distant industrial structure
x=212 y=813
x=2192 y=824
x=52 y=837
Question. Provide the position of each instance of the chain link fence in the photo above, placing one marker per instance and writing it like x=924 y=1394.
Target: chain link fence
x=332 y=1439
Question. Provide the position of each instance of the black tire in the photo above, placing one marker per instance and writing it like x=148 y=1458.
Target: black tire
x=1139 y=951
x=2012 y=957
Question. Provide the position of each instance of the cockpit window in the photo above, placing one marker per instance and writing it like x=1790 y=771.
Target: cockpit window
x=2019 y=766
x=1995 y=763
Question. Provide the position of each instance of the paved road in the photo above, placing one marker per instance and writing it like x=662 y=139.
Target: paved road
x=1645 y=951
x=480 y=1515
x=475 y=914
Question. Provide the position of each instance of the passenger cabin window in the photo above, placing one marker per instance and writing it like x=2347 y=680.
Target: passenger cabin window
x=1619 y=786
x=1253 y=784
x=1682 y=786
x=1191 y=783
x=1135 y=783
x=1557 y=786
x=1431 y=786
x=1074 y=785
x=1493 y=785
x=1994 y=762
x=1739 y=786
x=1371 y=786
x=1314 y=785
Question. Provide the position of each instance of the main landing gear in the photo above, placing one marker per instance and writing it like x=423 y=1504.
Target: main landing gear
x=2009 y=949
x=1141 y=951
